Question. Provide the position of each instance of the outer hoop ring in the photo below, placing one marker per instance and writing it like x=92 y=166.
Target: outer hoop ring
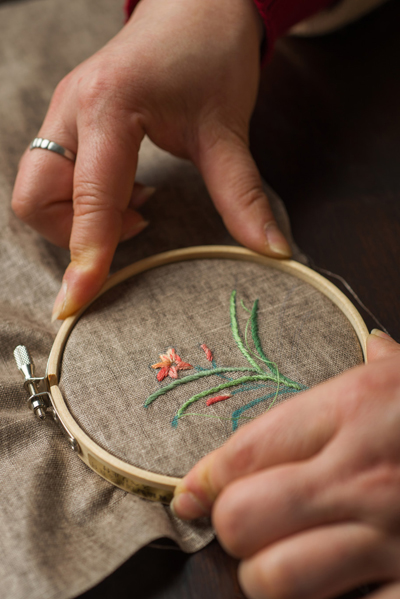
x=135 y=480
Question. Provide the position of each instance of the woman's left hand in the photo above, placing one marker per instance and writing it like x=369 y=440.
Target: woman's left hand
x=308 y=495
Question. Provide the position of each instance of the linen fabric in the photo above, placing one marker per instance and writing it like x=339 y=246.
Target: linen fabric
x=107 y=369
x=63 y=528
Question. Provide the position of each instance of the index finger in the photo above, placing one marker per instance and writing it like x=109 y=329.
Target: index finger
x=291 y=432
x=103 y=181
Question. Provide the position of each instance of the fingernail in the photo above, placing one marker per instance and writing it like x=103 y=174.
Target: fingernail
x=186 y=506
x=140 y=195
x=276 y=240
x=60 y=302
x=379 y=333
x=137 y=228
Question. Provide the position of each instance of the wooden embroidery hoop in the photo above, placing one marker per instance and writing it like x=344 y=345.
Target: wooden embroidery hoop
x=135 y=480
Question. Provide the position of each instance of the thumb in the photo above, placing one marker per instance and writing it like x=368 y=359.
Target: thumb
x=234 y=183
x=381 y=345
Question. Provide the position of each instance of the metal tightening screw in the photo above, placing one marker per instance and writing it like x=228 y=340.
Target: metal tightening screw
x=26 y=366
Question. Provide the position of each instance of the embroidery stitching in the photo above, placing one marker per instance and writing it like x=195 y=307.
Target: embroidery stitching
x=216 y=399
x=207 y=351
x=171 y=363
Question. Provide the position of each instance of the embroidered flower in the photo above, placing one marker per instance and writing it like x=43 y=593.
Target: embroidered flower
x=261 y=376
x=170 y=364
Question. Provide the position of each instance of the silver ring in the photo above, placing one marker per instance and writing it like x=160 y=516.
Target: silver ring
x=46 y=144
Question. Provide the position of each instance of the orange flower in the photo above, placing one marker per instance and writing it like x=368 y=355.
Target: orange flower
x=170 y=364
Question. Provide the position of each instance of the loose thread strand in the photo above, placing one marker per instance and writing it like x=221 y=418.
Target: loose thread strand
x=353 y=293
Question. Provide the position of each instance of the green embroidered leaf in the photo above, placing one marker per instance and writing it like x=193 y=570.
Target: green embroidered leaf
x=236 y=334
x=256 y=339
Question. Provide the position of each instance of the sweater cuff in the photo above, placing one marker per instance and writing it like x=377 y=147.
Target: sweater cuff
x=278 y=16
x=281 y=15
x=128 y=7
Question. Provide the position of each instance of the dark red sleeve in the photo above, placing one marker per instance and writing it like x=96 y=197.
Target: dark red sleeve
x=278 y=15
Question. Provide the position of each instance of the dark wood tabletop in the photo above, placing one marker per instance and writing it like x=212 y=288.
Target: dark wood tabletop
x=326 y=136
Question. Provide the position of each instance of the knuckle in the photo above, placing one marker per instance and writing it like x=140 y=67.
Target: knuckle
x=279 y=580
x=358 y=389
x=22 y=206
x=266 y=576
x=366 y=384
x=62 y=88
x=252 y=196
x=242 y=452
x=228 y=515
x=385 y=480
x=215 y=134
x=382 y=486
x=92 y=93
x=99 y=89
x=89 y=197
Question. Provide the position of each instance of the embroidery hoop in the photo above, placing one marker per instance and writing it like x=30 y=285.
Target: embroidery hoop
x=132 y=479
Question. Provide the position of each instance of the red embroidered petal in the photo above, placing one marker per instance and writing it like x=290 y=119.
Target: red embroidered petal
x=216 y=399
x=207 y=351
x=171 y=354
x=183 y=366
x=178 y=358
x=162 y=365
x=161 y=374
x=173 y=372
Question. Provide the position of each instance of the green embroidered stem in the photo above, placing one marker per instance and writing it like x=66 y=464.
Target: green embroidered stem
x=256 y=339
x=246 y=338
x=234 y=383
x=195 y=377
x=257 y=344
x=236 y=334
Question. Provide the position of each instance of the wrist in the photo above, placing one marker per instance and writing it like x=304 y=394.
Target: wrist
x=222 y=22
x=275 y=17
x=130 y=6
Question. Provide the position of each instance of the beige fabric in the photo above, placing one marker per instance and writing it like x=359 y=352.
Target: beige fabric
x=342 y=13
x=107 y=374
x=62 y=528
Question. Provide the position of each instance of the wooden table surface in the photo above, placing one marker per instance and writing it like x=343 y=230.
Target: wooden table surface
x=326 y=136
